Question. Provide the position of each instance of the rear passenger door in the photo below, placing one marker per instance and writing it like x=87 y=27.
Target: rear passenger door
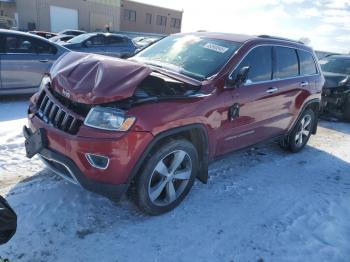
x=96 y=44
x=308 y=69
x=289 y=86
x=25 y=60
x=116 y=46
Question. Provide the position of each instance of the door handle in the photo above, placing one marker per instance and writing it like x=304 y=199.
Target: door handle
x=304 y=84
x=44 y=61
x=272 y=90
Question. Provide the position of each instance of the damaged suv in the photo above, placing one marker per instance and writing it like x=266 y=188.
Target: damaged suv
x=336 y=91
x=153 y=123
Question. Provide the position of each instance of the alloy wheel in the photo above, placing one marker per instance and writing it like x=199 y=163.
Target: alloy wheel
x=303 y=131
x=170 y=178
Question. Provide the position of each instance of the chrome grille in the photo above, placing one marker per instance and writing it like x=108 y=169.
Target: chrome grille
x=53 y=114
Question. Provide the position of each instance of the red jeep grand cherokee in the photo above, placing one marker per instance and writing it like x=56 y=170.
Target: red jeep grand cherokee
x=155 y=121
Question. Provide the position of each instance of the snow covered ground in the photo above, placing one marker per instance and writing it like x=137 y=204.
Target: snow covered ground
x=260 y=204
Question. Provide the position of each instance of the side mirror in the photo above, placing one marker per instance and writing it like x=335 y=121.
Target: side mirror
x=88 y=43
x=8 y=221
x=240 y=78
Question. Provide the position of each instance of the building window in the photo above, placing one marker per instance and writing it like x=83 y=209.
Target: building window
x=106 y=2
x=161 y=20
x=148 y=19
x=130 y=15
x=175 y=22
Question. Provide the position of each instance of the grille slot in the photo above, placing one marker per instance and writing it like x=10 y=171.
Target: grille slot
x=53 y=114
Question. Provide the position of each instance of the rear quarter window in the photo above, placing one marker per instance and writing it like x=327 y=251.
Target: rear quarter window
x=45 y=48
x=116 y=40
x=307 y=63
x=286 y=63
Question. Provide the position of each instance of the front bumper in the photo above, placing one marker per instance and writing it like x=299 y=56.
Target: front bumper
x=66 y=168
x=65 y=154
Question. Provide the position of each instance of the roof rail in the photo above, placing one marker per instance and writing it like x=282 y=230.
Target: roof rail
x=280 y=38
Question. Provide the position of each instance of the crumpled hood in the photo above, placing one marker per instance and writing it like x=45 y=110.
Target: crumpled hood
x=96 y=79
x=333 y=79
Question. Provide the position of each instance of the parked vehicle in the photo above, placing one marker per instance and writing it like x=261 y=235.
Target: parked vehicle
x=24 y=59
x=72 y=32
x=103 y=43
x=336 y=92
x=143 y=42
x=61 y=39
x=8 y=221
x=155 y=121
x=44 y=34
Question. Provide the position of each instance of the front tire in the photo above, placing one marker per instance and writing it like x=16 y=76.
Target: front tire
x=166 y=177
x=301 y=133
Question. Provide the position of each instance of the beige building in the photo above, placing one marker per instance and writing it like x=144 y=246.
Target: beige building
x=57 y=15
x=139 y=17
x=8 y=14
x=92 y=15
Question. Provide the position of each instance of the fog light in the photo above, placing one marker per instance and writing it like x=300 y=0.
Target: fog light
x=97 y=161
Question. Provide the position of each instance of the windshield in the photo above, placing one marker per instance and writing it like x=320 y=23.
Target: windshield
x=336 y=65
x=194 y=56
x=79 y=39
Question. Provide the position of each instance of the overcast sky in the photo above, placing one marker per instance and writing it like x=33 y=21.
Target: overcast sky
x=325 y=22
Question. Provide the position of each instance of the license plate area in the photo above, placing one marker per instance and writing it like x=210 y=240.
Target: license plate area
x=35 y=142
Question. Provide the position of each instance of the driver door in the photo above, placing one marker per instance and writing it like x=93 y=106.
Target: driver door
x=256 y=102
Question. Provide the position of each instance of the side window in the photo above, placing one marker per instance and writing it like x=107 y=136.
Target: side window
x=97 y=40
x=260 y=62
x=19 y=44
x=116 y=40
x=286 y=63
x=42 y=47
x=307 y=63
x=2 y=44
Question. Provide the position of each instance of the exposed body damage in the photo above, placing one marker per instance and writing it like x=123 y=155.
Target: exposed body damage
x=109 y=80
x=336 y=96
x=155 y=121
x=336 y=91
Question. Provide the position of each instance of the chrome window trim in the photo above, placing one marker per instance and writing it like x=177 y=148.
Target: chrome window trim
x=279 y=79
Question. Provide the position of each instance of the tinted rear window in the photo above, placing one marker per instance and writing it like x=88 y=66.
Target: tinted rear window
x=116 y=40
x=260 y=62
x=19 y=44
x=307 y=63
x=45 y=48
x=286 y=63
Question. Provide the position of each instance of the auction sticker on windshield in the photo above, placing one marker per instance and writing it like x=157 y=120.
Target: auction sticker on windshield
x=216 y=48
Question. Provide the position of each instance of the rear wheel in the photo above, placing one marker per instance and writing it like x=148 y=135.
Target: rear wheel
x=167 y=177
x=301 y=133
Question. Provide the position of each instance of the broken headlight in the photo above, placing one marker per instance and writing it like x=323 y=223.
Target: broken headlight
x=109 y=119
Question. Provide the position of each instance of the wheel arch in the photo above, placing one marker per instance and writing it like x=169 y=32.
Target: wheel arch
x=314 y=105
x=194 y=133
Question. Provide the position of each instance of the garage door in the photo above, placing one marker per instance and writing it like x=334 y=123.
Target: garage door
x=63 y=18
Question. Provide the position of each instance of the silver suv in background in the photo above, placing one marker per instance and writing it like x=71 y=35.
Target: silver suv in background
x=24 y=59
